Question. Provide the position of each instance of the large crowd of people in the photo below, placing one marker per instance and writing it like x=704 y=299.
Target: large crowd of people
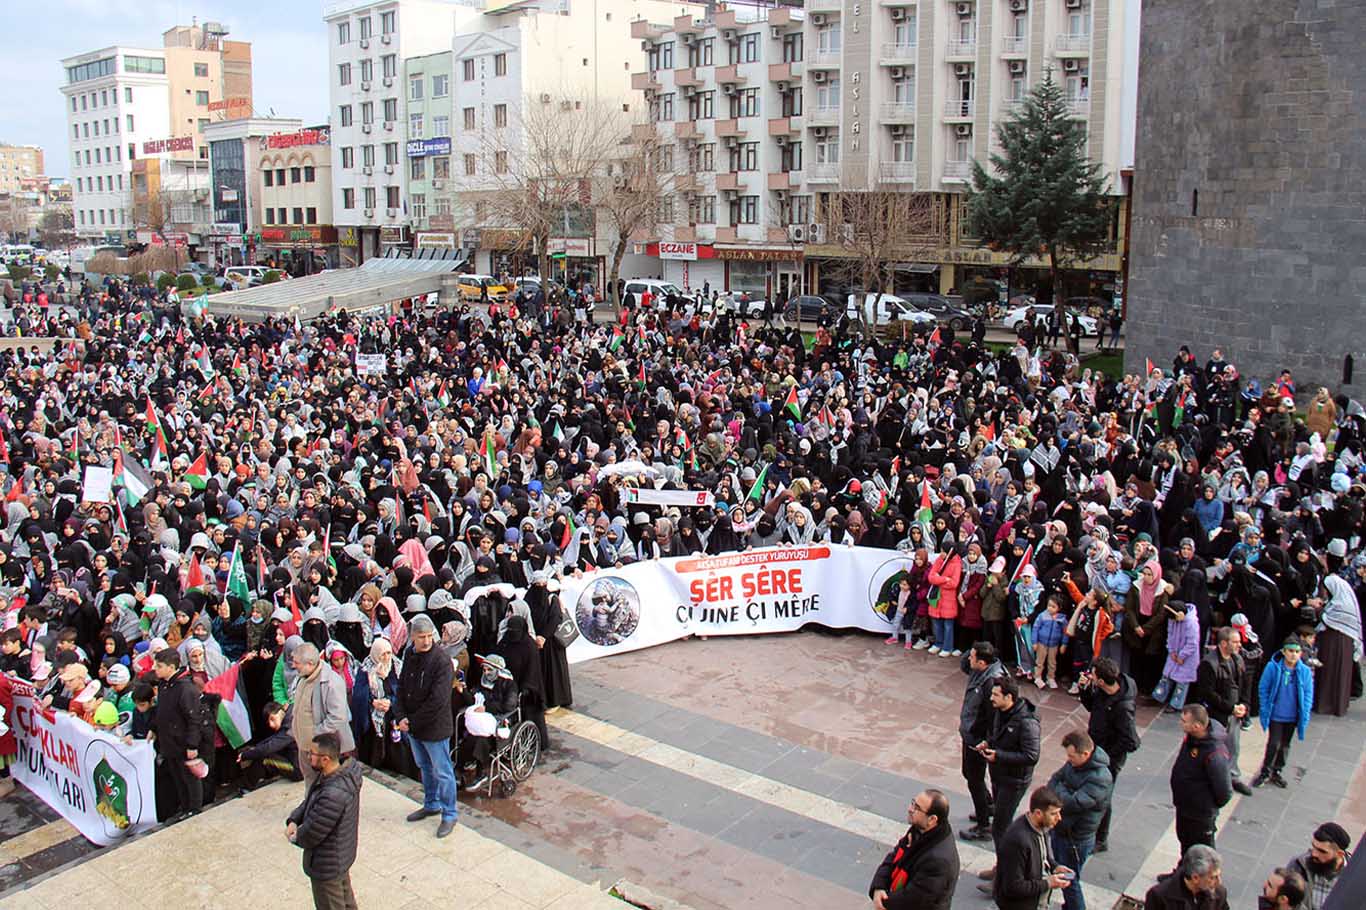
x=1188 y=534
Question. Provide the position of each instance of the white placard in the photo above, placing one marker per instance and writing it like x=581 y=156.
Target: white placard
x=371 y=364
x=98 y=485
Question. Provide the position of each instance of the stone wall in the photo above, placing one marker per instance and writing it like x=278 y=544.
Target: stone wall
x=1249 y=222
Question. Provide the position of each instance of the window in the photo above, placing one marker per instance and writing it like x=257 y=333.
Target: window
x=391 y=196
x=414 y=126
x=467 y=70
x=664 y=158
x=343 y=32
x=391 y=153
x=75 y=131
x=664 y=211
x=97 y=156
x=828 y=149
x=441 y=167
x=201 y=98
x=99 y=184
x=82 y=211
x=500 y=64
x=269 y=215
x=348 y=157
x=666 y=55
x=310 y=215
x=468 y=114
x=129 y=121
x=201 y=70
x=828 y=95
x=348 y=198
x=386 y=23
x=101 y=216
x=104 y=94
x=700 y=54
x=132 y=153
x=745 y=103
x=745 y=157
x=85 y=102
x=904 y=32
x=346 y=115
x=744 y=210
x=128 y=94
x=268 y=177
x=903 y=148
x=500 y=162
x=962 y=150
x=389 y=65
x=97 y=127
x=85 y=130
x=310 y=175
x=73 y=106
x=1017 y=89
x=441 y=86
x=390 y=110
x=298 y=216
x=469 y=165
x=792 y=102
x=367 y=112
x=365 y=29
x=702 y=210
x=296 y=174
x=344 y=74
x=666 y=107
x=369 y=197
x=828 y=39
x=415 y=88
x=80 y=184
x=418 y=204
x=367 y=155
x=903 y=90
x=799 y=210
x=700 y=106
x=500 y=115
x=443 y=205
x=367 y=70
x=279 y=176
x=749 y=48
x=133 y=64
x=702 y=159
x=792 y=157
x=792 y=48
x=441 y=125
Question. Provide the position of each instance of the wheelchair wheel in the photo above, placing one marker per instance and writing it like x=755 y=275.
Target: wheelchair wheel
x=507 y=786
x=524 y=749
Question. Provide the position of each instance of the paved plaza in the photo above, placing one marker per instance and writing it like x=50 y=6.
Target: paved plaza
x=762 y=771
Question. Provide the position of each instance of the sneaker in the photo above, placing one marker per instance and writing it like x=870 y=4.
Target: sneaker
x=1278 y=780
x=921 y=645
x=418 y=815
x=1038 y=681
x=1261 y=778
x=975 y=833
x=934 y=649
x=1241 y=787
x=909 y=646
x=1052 y=684
x=1247 y=723
x=891 y=641
x=957 y=652
x=945 y=654
x=1074 y=689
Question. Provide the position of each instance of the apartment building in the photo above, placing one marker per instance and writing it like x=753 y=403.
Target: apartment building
x=124 y=103
x=19 y=163
x=240 y=155
x=773 y=111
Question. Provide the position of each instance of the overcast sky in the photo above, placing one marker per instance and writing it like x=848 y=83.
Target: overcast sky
x=289 y=57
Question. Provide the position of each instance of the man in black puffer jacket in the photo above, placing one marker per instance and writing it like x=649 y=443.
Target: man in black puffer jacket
x=921 y=872
x=1011 y=751
x=974 y=723
x=1200 y=780
x=327 y=824
x=423 y=711
x=1109 y=695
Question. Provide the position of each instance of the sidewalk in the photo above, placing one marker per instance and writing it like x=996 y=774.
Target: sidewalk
x=235 y=855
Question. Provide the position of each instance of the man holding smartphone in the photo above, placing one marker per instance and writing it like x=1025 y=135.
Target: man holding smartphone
x=1026 y=875
x=1011 y=751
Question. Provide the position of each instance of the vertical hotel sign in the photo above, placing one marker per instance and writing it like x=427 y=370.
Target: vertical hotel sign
x=858 y=52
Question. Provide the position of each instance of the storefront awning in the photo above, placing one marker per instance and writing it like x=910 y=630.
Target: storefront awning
x=918 y=268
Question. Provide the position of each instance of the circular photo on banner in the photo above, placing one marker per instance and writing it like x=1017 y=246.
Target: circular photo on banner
x=608 y=611
x=885 y=584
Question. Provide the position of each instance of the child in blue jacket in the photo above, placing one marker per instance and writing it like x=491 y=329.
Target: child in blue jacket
x=1050 y=628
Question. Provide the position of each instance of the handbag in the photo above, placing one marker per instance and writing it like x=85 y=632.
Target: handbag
x=567 y=631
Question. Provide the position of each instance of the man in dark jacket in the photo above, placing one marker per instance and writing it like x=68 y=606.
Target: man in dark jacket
x=1085 y=786
x=1109 y=695
x=327 y=824
x=423 y=711
x=1011 y=751
x=1197 y=884
x=1200 y=779
x=1025 y=872
x=1219 y=686
x=179 y=729
x=974 y=723
x=921 y=872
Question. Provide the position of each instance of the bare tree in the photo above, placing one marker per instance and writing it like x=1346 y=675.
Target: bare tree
x=637 y=192
x=57 y=228
x=160 y=211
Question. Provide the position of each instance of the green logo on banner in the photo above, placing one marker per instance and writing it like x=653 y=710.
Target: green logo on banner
x=111 y=798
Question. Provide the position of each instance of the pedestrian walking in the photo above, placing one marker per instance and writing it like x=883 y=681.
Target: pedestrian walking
x=327 y=823
x=179 y=731
x=320 y=704
x=1085 y=787
x=1287 y=698
x=1197 y=883
x=423 y=711
x=1026 y=873
x=974 y=723
x=1109 y=696
x=1011 y=751
x=1220 y=685
x=921 y=871
x=1200 y=781
x=1321 y=865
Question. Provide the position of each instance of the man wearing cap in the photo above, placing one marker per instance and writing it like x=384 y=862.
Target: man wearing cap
x=1322 y=863
x=422 y=709
x=1287 y=697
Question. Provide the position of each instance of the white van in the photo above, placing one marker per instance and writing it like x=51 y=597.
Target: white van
x=660 y=289
x=885 y=309
x=246 y=276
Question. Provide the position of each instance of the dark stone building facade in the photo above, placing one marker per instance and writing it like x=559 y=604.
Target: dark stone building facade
x=1249 y=206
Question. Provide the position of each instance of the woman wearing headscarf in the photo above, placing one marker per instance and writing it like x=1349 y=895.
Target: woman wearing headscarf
x=378 y=744
x=1339 y=646
x=546 y=616
x=1145 y=626
x=518 y=649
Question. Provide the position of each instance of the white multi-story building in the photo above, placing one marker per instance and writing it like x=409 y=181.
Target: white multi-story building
x=773 y=111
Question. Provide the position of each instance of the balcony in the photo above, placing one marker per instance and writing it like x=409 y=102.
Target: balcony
x=642 y=132
x=724 y=19
x=897 y=171
x=780 y=72
x=642 y=81
x=729 y=74
x=685 y=182
x=687 y=25
x=899 y=53
x=685 y=77
x=685 y=233
x=1072 y=45
x=898 y=112
x=784 y=126
x=960 y=110
x=823 y=116
x=1010 y=105
x=687 y=129
x=957 y=170
x=784 y=180
x=823 y=173
x=644 y=28
x=823 y=59
x=1014 y=47
x=730 y=127
x=780 y=16
x=728 y=181
x=958 y=50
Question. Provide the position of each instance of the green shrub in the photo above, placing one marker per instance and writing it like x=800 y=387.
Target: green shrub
x=272 y=276
x=139 y=278
x=165 y=280
x=51 y=272
x=19 y=272
x=186 y=282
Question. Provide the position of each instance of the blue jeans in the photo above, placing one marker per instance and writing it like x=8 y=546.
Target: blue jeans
x=1072 y=854
x=433 y=759
x=943 y=633
x=1177 y=690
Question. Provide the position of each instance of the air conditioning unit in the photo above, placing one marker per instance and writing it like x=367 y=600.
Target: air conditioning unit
x=898 y=132
x=782 y=141
x=898 y=72
x=386 y=38
x=367 y=170
x=782 y=87
x=369 y=213
x=965 y=9
x=545 y=97
x=365 y=44
x=365 y=128
x=732 y=141
x=389 y=125
x=728 y=88
x=1074 y=4
x=1017 y=67
x=815 y=233
x=365 y=86
x=728 y=35
x=689 y=91
x=962 y=69
x=388 y=169
x=776 y=32
x=1071 y=66
x=438 y=184
x=689 y=38
x=645 y=45
x=388 y=81
x=818 y=133
x=780 y=195
x=730 y=194
x=1019 y=6
x=393 y=213
x=898 y=14
x=796 y=233
x=963 y=129
x=818 y=76
x=817 y=19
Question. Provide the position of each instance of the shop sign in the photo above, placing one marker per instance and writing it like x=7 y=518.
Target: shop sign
x=744 y=255
x=441 y=222
x=226 y=227
x=572 y=246
x=229 y=103
x=669 y=249
x=162 y=146
x=348 y=237
x=319 y=136
x=228 y=195
x=419 y=148
x=313 y=233
x=391 y=235
x=435 y=240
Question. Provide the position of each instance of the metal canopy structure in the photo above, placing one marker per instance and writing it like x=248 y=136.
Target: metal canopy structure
x=377 y=282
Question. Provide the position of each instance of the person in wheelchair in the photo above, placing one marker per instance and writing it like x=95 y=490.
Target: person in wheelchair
x=495 y=697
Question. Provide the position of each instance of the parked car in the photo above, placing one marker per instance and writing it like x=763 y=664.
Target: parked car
x=477 y=288
x=1091 y=306
x=198 y=269
x=807 y=308
x=944 y=311
x=1038 y=311
x=742 y=304
x=660 y=289
x=246 y=276
x=885 y=309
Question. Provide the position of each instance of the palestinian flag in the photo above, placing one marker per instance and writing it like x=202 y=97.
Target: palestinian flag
x=935 y=337
x=925 y=514
x=1148 y=365
x=16 y=490
x=1024 y=561
x=119 y=521
x=194 y=575
x=569 y=529
x=197 y=475
x=237 y=368
x=882 y=503
x=443 y=397
x=234 y=720
x=76 y=444
x=641 y=378
x=790 y=403
x=1179 y=414
x=296 y=617
x=618 y=336
x=260 y=571
x=826 y=416
x=327 y=543
x=490 y=457
x=4 y=448
x=756 y=492
x=681 y=439
x=159 y=435
x=180 y=335
x=237 y=577
x=557 y=432
x=133 y=476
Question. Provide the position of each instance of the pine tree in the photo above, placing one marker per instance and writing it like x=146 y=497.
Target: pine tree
x=1044 y=197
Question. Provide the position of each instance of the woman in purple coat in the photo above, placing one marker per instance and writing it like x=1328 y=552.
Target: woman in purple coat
x=1183 y=655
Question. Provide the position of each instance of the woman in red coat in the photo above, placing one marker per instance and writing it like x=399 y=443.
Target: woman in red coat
x=970 y=598
x=946 y=573
x=9 y=746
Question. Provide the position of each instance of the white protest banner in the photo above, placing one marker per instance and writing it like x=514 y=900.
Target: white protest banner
x=684 y=498
x=775 y=589
x=98 y=485
x=371 y=364
x=106 y=789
